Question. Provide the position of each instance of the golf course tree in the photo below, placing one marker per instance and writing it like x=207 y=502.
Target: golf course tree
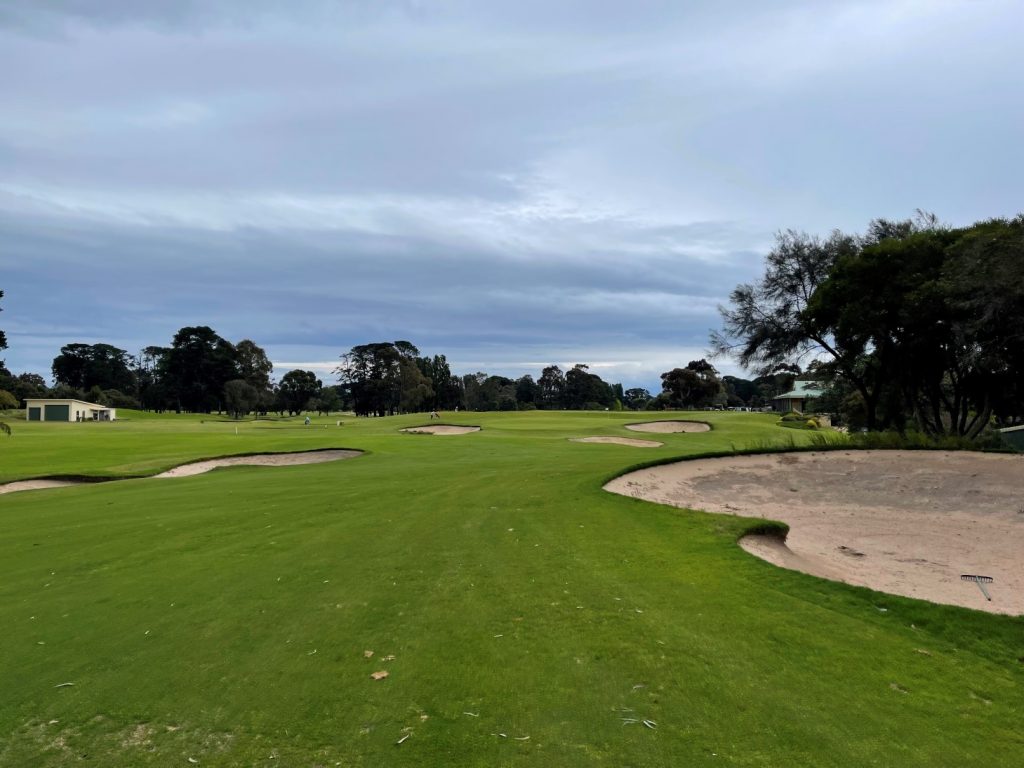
x=254 y=368
x=196 y=367
x=917 y=324
x=695 y=386
x=296 y=390
x=636 y=399
x=3 y=345
x=385 y=378
x=85 y=366
x=151 y=389
x=552 y=387
x=585 y=390
x=240 y=397
x=329 y=399
x=446 y=387
x=527 y=391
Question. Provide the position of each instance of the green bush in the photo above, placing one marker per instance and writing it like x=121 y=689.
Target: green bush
x=811 y=424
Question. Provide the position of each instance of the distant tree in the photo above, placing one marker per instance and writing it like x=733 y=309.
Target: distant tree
x=695 y=386
x=4 y=427
x=24 y=386
x=586 y=390
x=64 y=392
x=148 y=367
x=376 y=373
x=527 y=390
x=7 y=400
x=552 y=387
x=328 y=400
x=447 y=388
x=196 y=367
x=636 y=399
x=240 y=397
x=84 y=366
x=253 y=364
x=296 y=389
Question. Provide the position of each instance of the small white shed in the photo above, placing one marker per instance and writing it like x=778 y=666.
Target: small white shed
x=60 y=409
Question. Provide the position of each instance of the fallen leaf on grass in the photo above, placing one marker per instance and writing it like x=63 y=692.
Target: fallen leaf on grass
x=63 y=685
x=367 y=654
x=389 y=657
x=403 y=738
x=379 y=675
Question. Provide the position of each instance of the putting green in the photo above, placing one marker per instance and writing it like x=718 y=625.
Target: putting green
x=227 y=617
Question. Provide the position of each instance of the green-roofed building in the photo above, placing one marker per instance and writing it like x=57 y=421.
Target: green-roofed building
x=796 y=399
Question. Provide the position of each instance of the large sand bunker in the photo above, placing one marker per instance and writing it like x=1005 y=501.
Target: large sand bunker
x=630 y=441
x=669 y=427
x=905 y=522
x=198 y=468
x=441 y=429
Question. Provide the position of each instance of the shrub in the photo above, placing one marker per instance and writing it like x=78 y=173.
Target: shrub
x=811 y=424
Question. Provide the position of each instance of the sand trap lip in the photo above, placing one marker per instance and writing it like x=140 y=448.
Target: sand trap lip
x=669 y=427
x=630 y=441
x=198 y=468
x=904 y=522
x=440 y=429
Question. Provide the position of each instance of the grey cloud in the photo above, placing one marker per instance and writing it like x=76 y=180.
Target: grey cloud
x=503 y=182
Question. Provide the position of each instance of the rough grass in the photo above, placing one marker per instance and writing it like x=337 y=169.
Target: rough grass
x=225 y=617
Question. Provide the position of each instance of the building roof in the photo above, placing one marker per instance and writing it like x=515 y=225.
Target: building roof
x=66 y=400
x=802 y=389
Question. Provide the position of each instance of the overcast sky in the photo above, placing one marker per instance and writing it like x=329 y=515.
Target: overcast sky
x=511 y=184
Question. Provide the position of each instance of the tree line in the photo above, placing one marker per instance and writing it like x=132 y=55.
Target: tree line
x=202 y=372
x=912 y=325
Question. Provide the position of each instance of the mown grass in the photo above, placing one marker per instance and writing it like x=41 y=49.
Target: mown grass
x=225 y=617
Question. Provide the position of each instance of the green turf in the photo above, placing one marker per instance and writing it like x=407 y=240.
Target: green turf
x=224 y=617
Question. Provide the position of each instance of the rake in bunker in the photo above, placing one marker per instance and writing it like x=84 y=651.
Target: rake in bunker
x=981 y=581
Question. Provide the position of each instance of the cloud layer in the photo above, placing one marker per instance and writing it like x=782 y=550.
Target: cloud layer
x=509 y=184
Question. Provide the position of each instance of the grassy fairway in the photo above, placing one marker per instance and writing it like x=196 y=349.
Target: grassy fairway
x=224 y=617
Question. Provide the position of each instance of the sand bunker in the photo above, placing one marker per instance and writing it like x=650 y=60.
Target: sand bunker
x=668 y=427
x=198 y=468
x=905 y=522
x=34 y=485
x=265 y=460
x=630 y=441
x=441 y=429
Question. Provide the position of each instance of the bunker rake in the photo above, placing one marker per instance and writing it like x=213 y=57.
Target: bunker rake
x=981 y=581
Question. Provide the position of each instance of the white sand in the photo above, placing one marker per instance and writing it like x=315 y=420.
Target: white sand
x=266 y=460
x=199 y=467
x=905 y=522
x=441 y=429
x=34 y=485
x=669 y=427
x=630 y=441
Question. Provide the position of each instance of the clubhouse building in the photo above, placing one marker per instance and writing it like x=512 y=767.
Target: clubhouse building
x=39 y=409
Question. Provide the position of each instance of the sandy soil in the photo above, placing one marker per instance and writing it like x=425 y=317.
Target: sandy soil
x=630 y=441
x=441 y=429
x=199 y=467
x=34 y=485
x=904 y=522
x=668 y=427
x=267 y=460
